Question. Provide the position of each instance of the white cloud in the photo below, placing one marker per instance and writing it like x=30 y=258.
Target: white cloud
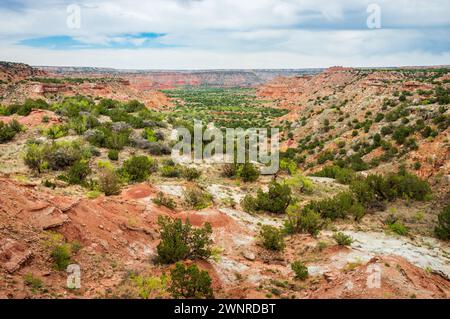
x=233 y=33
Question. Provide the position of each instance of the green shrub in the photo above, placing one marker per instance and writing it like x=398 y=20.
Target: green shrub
x=248 y=204
x=426 y=132
x=133 y=106
x=379 y=117
x=364 y=193
x=356 y=163
x=190 y=173
x=170 y=171
x=325 y=156
x=117 y=140
x=24 y=109
x=57 y=131
x=342 y=175
x=247 y=172
x=272 y=238
x=63 y=154
x=300 y=270
x=108 y=181
x=55 y=156
x=8 y=131
x=404 y=184
x=78 y=172
x=61 y=255
x=180 y=241
x=386 y=130
x=300 y=182
x=150 y=135
x=32 y=281
x=190 y=282
x=288 y=165
x=401 y=133
x=104 y=136
x=276 y=200
x=162 y=200
x=339 y=206
x=416 y=166
x=442 y=230
x=342 y=239
x=303 y=221
x=34 y=158
x=139 y=168
x=398 y=228
x=357 y=211
x=113 y=155
x=196 y=198
x=372 y=190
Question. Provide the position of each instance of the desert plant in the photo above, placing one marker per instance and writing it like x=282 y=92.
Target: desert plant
x=276 y=200
x=60 y=155
x=247 y=172
x=197 y=198
x=342 y=175
x=190 y=173
x=398 y=228
x=139 y=168
x=442 y=230
x=248 y=204
x=34 y=282
x=61 y=255
x=190 y=282
x=272 y=238
x=34 y=158
x=150 y=135
x=342 y=239
x=108 y=181
x=78 y=172
x=57 y=131
x=339 y=206
x=113 y=155
x=170 y=171
x=8 y=131
x=299 y=182
x=162 y=200
x=300 y=270
x=404 y=184
x=180 y=241
x=310 y=222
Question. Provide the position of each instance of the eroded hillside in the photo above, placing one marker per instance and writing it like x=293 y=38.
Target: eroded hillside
x=86 y=178
x=371 y=120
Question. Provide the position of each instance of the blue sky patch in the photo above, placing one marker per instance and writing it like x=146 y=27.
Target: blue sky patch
x=120 y=41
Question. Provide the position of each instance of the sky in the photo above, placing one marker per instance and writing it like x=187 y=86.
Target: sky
x=225 y=34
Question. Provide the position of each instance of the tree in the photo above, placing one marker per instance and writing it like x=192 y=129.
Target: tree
x=180 y=241
x=248 y=172
x=303 y=220
x=272 y=238
x=190 y=282
x=276 y=200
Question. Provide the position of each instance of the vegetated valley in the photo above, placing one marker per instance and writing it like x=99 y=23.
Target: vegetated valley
x=359 y=208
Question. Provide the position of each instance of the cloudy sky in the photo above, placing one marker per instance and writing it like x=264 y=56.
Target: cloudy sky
x=217 y=34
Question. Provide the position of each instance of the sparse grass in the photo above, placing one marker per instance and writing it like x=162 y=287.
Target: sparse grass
x=398 y=228
x=342 y=239
x=33 y=282
x=300 y=270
